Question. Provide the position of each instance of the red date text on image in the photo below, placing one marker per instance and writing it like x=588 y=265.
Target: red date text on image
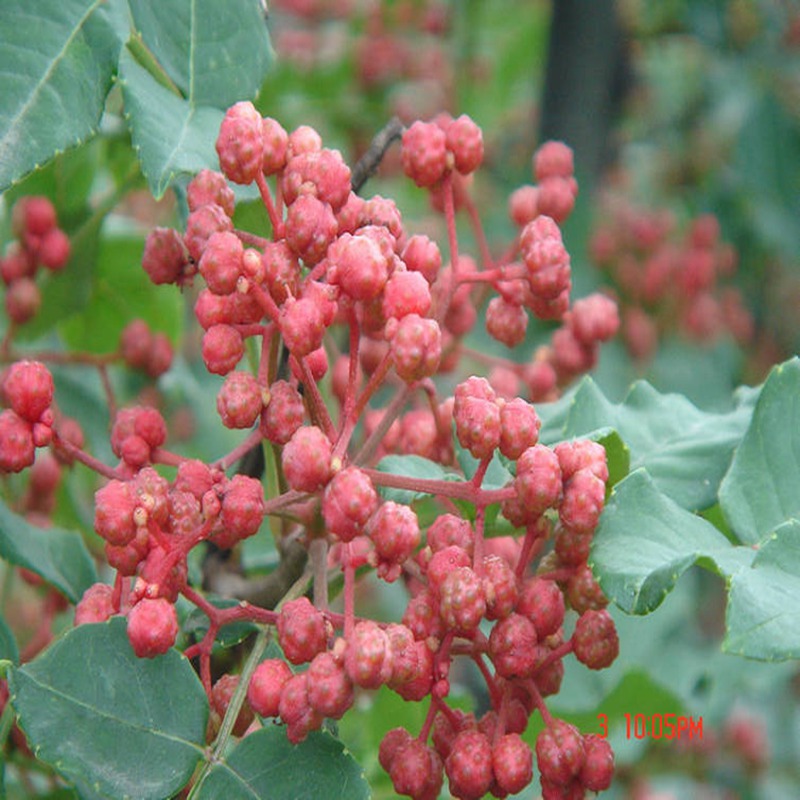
x=657 y=726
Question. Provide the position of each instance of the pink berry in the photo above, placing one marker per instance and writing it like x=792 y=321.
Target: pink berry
x=556 y=197
x=221 y=262
x=572 y=547
x=201 y=224
x=391 y=744
x=368 y=658
x=296 y=711
x=394 y=530
x=416 y=771
x=281 y=270
x=28 y=388
x=209 y=187
x=416 y=346
x=240 y=146
x=595 y=639
x=512 y=763
x=348 y=502
x=594 y=319
x=303 y=139
x=23 y=300
x=240 y=400
x=570 y=357
x=462 y=601
x=477 y=424
x=583 y=592
x=560 y=752
x=330 y=690
x=424 y=153
x=406 y=293
x=242 y=510
x=465 y=142
x=306 y=459
x=165 y=257
x=519 y=428
x=114 y=505
x=276 y=145
x=422 y=255
x=223 y=348
x=580 y=454
x=469 y=765
x=302 y=630
x=506 y=322
x=512 y=647
x=523 y=206
x=553 y=159
x=34 y=214
x=499 y=587
x=582 y=502
x=152 y=627
x=266 y=685
x=597 y=771
x=538 y=481
x=321 y=173
x=136 y=344
x=221 y=695
x=443 y=562
x=359 y=266
x=422 y=618
x=160 y=359
x=54 y=249
x=96 y=604
x=284 y=413
x=302 y=326
x=448 y=529
x=542 y=602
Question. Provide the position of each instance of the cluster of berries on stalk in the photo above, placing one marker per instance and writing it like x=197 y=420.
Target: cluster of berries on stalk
x=669 y=279
x=39 y=242
x=339 y=263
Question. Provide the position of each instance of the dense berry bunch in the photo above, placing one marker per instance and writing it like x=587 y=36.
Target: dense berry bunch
x=340 y=302
x=669 y=278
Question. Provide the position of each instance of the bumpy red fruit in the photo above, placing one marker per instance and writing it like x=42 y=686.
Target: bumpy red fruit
x=448 y=529
x=406 y=292
x=392 y=742
x=221 y=262
x=284 y=413
x=556 y=197
x=310 y=228
x=465 y=142
x=114 y=505
x=582 y=454
x=276 y=145
x=499 y=587
x=598 y=769
x=240 y=400
x=443 y=562
x=210 y=187
x=18 y=450
x=306 y=459
x=507 y=322
x=358 y=266
x=28 y=388
x=302 y=630
x=23 y=300
x=512 y=763
x=296 y=711
x=583 y=592
x=223 y=348
x=424 y=153
x=302 y=325
x=165 y=256
x=242 y=510
x=266 y=685
x=416 y=771
x=421 y=254
x=553 y=159
x=560 y=753
x=34 y=214
x=512 y=647
x=152 y=627
x=462 y=601
x=394 y=530
x=519 y=428
x=595 y=640
x=330 y=690
x=416 y=346
x=594 y=319
x=96 y=604
x=538 y=481
x=201 y=224
x=348 y=502
x=583 y=501
x=240 y=145
x=469 y=765
x=221 y=695
x=542 y=602
x=369 y=658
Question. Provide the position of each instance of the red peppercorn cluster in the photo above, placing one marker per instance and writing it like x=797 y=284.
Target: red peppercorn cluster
x=39 y=242
x=669 y=278
x=341 y=281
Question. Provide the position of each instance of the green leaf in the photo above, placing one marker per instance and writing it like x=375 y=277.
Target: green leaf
x=763 y=613
x=762 y=487
x=685 y=450
x=127 y=727
x=8 y=644
x=57 y=59
x=121 y=291
x=172 y=136
x=645 y=541
x=215 y=53
x=58 y=556
x=411 y=467
x=266 y=765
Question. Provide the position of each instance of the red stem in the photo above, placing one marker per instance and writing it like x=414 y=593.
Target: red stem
x=266 y=197
x=458 y=490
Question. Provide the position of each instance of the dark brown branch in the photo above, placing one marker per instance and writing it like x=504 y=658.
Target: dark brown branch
x=366 y=166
